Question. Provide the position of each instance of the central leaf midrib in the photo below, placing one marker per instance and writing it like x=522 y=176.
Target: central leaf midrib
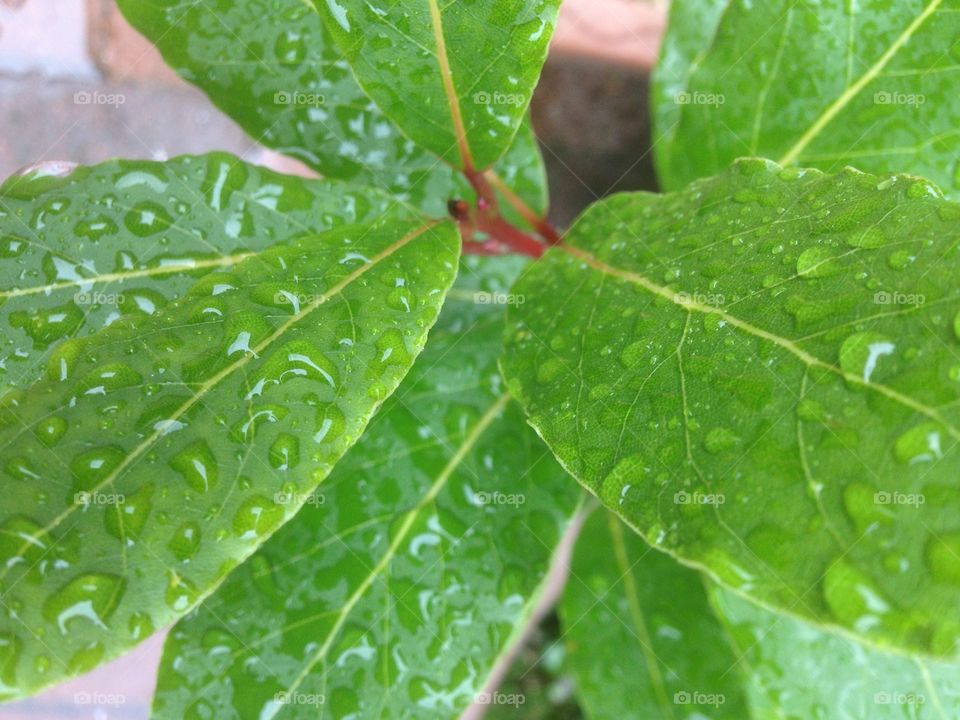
x=409 y=519
x=834 y=109
x=213 y=382
x=788 y=345
x=105 y=278
x=449 y=87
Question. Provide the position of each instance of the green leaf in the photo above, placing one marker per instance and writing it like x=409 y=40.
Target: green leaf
x=456 y=77
x=79 y=250
x=272 y=66
x=145 y=465
x=870 y=84
x=798 y=671
x=684 y=47
x=395 y=592
x=642 y=640
x=760 y=375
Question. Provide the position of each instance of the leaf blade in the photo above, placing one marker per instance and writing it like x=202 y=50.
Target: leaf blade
x=692 y=387
x=836 y=672
x=226 y=394
x=856 y=85
x=385 y=587
x=76 y=247
x=469 y=108
x=272 y=66
x=635 y=608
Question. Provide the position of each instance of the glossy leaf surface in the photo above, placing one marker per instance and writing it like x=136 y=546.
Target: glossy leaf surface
x=456 y=77
x=399 y=585
x=144 y=466
x=273 y=67
x=760 y=375
x=80 y=250
x=643 y=643
x=870 y=84
x=796 y=670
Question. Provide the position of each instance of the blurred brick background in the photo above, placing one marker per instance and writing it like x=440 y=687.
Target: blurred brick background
x=590 y=113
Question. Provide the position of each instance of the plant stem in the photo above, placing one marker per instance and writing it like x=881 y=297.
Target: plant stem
x=531 y=216
x=496 y=235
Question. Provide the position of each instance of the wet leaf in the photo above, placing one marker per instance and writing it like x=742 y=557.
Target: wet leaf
x=760 y=375
x=144 y=466
x=455 y=77
x=641 y=638
x=409 y=572
x=797 y=670
x=869 y=84
x=78 y=251
x=273 y=67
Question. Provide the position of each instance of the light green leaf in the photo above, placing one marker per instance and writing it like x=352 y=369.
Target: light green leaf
x=272 y=66
x=643 y=643
x=396 y=590
x=798 y=671
x=869 y=83
x=456 y=77
x=145 y=465
x=79 y=250
x=684 y=46
x=760 y=375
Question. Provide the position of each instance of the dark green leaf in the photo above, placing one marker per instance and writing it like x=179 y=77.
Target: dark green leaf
x=395 y=591
x=760 y=375
x=272 y=66
x=643 y=643
x=144 y=466
x=456 y=77
x=870 y=84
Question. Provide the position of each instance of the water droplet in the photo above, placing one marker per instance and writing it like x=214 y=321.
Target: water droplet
x=126 y=521
x=91 y=468
x=919 y=444
x=861 y=353
x=942 y=553
x=285 y=452
x=550 y=370
x=257 y=516
x=185 y=541
x=88 y=598
x=720 y=439
x=198 y=466
x=147 y=218
x=818 y=262
x=51 y=429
